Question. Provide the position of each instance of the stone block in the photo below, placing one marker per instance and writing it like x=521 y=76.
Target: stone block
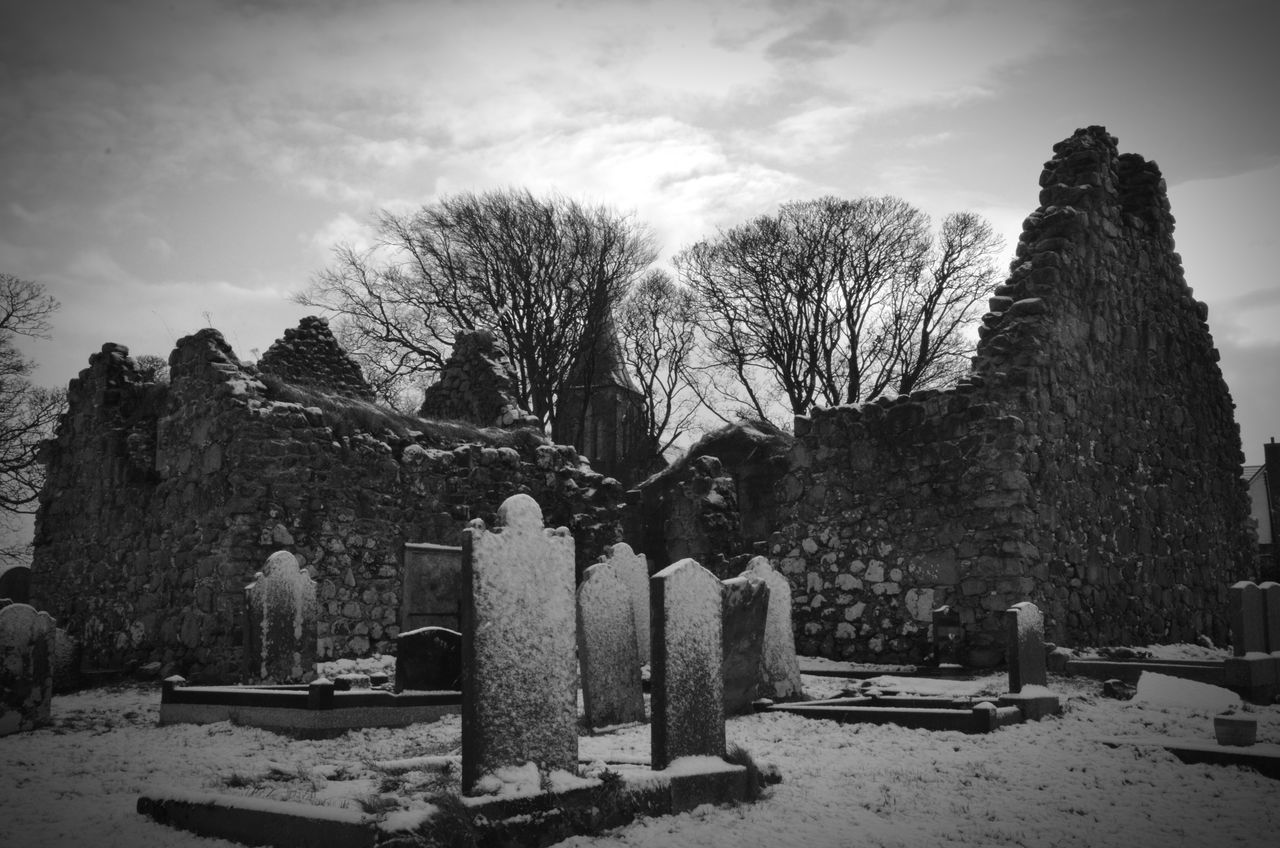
x=429 y=658
x=519 y=682
x=610 y=668
x=687 y=684
x=744 y=610
x=779 y=669
x=1025 y=646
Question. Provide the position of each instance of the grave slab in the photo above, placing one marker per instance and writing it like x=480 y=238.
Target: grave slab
x=1025 y=646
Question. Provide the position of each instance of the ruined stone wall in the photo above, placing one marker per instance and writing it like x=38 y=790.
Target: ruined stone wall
x=1090 y=463
x=162 y=502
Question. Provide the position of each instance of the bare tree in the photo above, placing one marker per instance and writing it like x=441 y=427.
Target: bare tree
x=27 y=413
x=542 y=274
x=658 y=334
x=838 y=301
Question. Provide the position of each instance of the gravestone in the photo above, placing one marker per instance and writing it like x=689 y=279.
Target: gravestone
x=15 y=584
x=1025 y=646
x=280 y=627
x=519 y=682
x=26 y=668
x=744 y=611
x=432 y=593
x=429 y=658
x=687 y=684
x=1271 y=615
x=633 y=569
x=779 y=668
x=611 y=690
x=1247 y=619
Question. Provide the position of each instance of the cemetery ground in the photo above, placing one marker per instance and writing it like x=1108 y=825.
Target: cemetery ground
x=1052 y=782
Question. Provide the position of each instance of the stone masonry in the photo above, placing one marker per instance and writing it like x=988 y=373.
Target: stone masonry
x=163 y=501
x=1090 y=461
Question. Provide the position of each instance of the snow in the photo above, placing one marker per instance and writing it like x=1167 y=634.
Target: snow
x=1045 y=783
x=1163 y=690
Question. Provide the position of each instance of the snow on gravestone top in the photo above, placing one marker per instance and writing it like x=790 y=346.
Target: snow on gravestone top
x=282 y=599
x=611 y=691
x=779 y=668
x=1247 y=632
x=633 y=568
x=519 y=687
x=1025 y=647
x=688 y=687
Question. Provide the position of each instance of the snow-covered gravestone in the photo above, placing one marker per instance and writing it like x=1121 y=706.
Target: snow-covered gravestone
x=633 y=568
x=519 y=687
x=26 y=668
x=687 y=684
x=1025 y=646
x=1247 y=612
x=745 y=609
x=779 y=668
x=611 y=691
x=280 y=639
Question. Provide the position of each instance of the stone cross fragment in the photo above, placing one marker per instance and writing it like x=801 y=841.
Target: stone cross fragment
x=280 y=630
x=779 y=668
x=26 y=668
x=633 y=568
x=1025 y=646
x=687 y=684
x=745 y=610
x=1270 y=591
x=611 y=690
x=519 y=682
x=1247 y=625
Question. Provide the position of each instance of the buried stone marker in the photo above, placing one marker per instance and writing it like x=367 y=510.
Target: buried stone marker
x=611 y=691
x=280 y=628
x=1025 y=646
x=779 y=668
x=745 y=608
x=687 y=684
x=519 y=687
x=26 y=668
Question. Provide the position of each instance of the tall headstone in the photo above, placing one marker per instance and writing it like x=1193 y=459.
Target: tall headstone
x=687 y=684
x=1270 y=591
x=744 y=611
x=429 y=658
x=1247 y=632
x=280 y=637
x=779 y=668
x=611 y=690
x=26 y=668
x=633 y=568
x=519 y=686
x=1025 y=646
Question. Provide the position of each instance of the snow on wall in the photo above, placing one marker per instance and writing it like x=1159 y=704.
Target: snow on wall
x=519 y=684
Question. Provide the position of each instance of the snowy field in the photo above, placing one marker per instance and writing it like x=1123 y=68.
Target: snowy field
x=1049 y=783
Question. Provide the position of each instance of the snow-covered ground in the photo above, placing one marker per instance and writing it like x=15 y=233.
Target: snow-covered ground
x=1037 y=784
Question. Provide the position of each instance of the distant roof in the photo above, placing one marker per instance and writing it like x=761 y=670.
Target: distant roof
x=1249 y=472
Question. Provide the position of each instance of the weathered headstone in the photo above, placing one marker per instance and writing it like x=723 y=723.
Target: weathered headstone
x=779 y=668
x=280 y=637
x=26 y=668
x=15 y=584
x=1025 y=646
x=519 y=682
x=429 y=658
x=687 y=684
x=611 y=690
x=1271 y=614
x=432 y=594
x=1247 y=627
x=633 y=568
x=744 y=611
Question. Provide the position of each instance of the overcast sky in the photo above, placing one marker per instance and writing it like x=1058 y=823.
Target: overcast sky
x=168 y=165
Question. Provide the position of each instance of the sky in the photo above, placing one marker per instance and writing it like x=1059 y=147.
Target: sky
x=167 y=166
